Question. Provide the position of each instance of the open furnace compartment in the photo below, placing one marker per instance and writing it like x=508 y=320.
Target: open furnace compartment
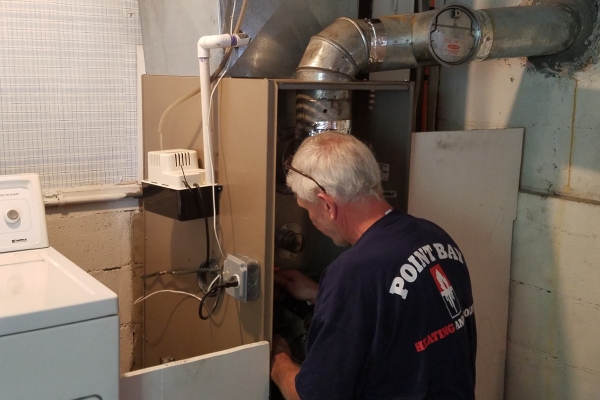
x=255 y=119
x=382 y=118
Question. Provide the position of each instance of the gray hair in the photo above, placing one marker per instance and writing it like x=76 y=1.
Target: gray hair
x=342 y=164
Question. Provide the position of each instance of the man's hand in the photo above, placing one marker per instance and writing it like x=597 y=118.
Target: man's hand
x=280 y=345
x=283 y=369
x=297 y=284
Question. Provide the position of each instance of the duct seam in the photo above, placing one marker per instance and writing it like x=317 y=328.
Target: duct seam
x=362 y=35
x=342 y=126
x=487 y=36
x=377 y=48
x=339 y=48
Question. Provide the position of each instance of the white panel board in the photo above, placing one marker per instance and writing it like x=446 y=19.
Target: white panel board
x=467 y=182
x=238 y=373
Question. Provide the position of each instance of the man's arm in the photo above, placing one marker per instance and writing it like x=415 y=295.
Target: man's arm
x=297 y=284
x=283 y=369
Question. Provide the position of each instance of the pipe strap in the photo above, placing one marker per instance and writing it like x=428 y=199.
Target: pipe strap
x=342 y=126
x=377 y=43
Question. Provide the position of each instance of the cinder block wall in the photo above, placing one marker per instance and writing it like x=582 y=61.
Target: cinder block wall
x=107 y=240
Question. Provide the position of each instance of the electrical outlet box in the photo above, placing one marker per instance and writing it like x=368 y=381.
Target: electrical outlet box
x=247 y=271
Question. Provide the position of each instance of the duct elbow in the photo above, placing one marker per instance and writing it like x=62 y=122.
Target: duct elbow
x=336 y=54
x=348 y=47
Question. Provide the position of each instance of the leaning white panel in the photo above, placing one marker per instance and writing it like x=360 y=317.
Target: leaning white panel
x=467 y=182
x=238 y=373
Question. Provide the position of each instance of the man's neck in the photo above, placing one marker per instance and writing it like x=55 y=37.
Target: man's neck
x=357 y=217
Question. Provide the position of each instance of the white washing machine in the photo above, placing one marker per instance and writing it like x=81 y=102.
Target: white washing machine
x=59 y=328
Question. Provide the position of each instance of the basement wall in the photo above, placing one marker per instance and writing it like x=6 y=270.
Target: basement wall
x=553 y=352
x=107 y=240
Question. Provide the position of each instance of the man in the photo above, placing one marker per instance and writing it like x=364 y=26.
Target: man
x=393 y=314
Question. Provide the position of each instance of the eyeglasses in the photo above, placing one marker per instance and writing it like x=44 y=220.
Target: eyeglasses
x=288 y=165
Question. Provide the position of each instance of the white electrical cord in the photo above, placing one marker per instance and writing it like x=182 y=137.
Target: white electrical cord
x=231 y=18
x=219 y=15
x=210 y=287
x=143 y=298
x=212 y=93
x=205 y=44
x=209 y=110
x=217 y=278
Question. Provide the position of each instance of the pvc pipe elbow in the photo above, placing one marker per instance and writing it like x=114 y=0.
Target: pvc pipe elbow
x=205 y=43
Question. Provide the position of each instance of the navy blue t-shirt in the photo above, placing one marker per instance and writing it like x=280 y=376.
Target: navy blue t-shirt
x=393 y=319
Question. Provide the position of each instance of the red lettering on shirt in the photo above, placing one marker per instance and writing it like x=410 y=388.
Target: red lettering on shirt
x=433 y=337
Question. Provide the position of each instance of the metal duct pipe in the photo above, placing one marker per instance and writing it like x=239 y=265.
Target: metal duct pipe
x=504 y=32
x=348 y=47
x=451 y=36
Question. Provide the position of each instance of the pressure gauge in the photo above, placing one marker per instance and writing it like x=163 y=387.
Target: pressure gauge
x=454 y=35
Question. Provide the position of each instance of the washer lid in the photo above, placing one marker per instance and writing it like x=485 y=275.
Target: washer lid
x=42 y=288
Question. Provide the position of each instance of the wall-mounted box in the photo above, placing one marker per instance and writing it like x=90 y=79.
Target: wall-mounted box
x=181 y=204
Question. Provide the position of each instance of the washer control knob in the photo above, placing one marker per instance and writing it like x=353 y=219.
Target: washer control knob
x=12 y=216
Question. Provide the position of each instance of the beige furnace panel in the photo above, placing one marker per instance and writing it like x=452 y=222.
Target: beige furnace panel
x=172 y=327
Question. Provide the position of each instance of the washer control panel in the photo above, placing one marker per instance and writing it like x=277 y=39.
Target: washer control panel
x=23 y=223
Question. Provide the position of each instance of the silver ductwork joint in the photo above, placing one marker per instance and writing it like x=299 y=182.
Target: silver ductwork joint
x=337 y=54
x=349 y=47
x=377 y=44
x=451 y=36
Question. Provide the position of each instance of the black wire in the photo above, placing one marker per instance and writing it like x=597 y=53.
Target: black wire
x=199 y=191
x=208 y=265
x=201 y=211
x=213 y=291
x=205 y=268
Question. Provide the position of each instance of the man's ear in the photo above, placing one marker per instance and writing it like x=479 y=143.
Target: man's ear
x=329 y=204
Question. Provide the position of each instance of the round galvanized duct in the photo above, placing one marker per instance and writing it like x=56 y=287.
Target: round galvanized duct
x=453 y=35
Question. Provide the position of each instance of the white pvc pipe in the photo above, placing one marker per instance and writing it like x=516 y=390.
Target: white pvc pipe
x=205 y=44
x=205 y=101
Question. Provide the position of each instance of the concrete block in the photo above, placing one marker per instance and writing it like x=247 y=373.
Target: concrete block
x=562 y=328
x=531 y=374
x=556 y=247
x=94 y=241
x=584 y=174
x=128 y=285
x=107 y=240
x=131 y=350
x=138 y=238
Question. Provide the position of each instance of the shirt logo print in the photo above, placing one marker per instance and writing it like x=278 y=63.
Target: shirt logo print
x=446 y=290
